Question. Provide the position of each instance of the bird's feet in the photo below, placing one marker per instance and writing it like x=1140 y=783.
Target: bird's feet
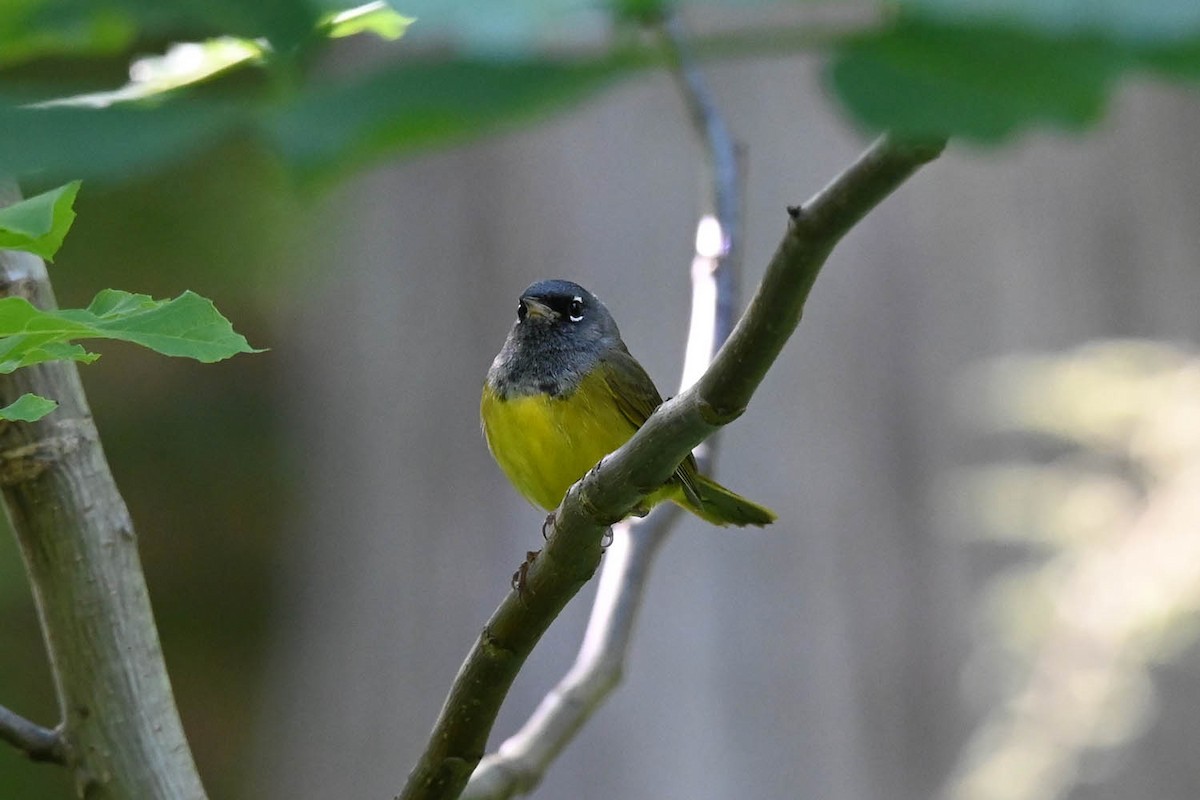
x=520 y=577
x=548 y=526
x=607 y=538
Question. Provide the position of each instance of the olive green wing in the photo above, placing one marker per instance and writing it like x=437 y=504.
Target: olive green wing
x=637 y=398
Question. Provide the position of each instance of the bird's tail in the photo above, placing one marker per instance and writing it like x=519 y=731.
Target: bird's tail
x=720 y=506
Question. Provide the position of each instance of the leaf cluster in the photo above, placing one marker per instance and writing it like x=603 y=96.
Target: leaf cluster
x=188 y=326
x=985 y=71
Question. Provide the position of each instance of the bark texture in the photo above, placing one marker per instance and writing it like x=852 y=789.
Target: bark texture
x=121 y=733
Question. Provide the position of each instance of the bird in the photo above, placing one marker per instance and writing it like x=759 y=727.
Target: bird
x=564 y=391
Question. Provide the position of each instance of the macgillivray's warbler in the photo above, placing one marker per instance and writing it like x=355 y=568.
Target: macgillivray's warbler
x=564 y=392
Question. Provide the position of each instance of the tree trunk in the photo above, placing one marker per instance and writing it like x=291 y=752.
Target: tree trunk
x=121 y=733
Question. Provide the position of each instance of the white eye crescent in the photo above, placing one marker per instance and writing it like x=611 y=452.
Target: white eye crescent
x=576 y=310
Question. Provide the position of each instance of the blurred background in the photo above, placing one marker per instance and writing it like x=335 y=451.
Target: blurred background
x=983 y=444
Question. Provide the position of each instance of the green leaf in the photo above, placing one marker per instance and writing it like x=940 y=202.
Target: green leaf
x=413 y=105
x=25 y=351
x=188 y=326
x=1142 y=22
x=988 y=69
x=28 y=408
x=184 y=64
x=38 y=28
x=321 y=131
x=930 y=80
x=378 y=18
x=119 y=142
x=38 y=224
x=1177 y=60
x=188 y=63
x=32 y=29
x=286 y=24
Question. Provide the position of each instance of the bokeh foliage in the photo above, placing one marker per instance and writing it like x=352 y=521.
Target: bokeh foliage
x=1109 y=587
x=984 y=71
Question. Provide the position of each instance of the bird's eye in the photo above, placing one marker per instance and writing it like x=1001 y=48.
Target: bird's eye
x=521 y=311
x=576 y=310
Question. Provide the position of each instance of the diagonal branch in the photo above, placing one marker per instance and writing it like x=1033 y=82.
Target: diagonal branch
x=517 y=767
x=38 y=743
x=610 y=491
x=522 y=760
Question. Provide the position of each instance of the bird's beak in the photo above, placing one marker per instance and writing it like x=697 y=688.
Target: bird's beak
x=538 y=309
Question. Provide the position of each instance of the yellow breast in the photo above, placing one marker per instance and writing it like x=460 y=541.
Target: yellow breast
x=544 y=444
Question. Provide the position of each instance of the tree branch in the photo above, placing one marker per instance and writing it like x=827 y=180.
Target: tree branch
x=776 y=308
x=522 y=760
x=121 y=733
x=610 y=491
x=518 y=765
x=38 y=743
x=719 y=254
